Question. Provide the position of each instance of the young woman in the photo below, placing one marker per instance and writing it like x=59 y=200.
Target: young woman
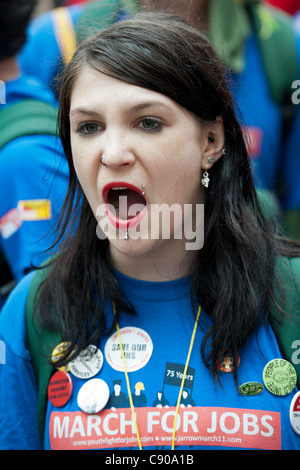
x=149 y=299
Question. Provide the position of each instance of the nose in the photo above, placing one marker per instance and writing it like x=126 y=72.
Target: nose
x=116 y=151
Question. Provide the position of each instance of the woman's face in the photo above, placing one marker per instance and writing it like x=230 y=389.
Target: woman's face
x=149 y=144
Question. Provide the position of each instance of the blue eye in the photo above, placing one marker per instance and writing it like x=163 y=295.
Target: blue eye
x=88 y=128
x=149 y=124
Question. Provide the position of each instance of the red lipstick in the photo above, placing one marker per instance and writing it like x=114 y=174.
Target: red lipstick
x=118 y=209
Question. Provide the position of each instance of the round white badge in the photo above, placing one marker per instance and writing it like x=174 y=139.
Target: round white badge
x=295 y=413
x=88 y=363
x=93 y=396
x=137 y=347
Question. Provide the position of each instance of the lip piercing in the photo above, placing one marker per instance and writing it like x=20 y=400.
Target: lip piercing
x=101 y=161
x=126 y=236
x=143 y=192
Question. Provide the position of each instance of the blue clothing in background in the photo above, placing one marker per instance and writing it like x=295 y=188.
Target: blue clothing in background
x=32 y=168
x=275 y=159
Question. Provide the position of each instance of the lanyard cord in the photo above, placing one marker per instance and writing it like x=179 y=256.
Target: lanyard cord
x=128 y=389
x=184 y=375
x=181 y=388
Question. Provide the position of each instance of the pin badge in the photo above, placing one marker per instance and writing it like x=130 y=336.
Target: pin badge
x=93 y=396
x=279 y=377
x=225 y=364
x=137 y=347
x=249 y=389
x=88 y=363
x=295 y=413
x=57 y=354
x=60 y=388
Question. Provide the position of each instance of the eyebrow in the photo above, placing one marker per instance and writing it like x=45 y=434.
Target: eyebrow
x=132 y=109
x=90 y=112
x=148 y=104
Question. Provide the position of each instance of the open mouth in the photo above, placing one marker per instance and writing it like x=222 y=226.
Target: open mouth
x=125 y=204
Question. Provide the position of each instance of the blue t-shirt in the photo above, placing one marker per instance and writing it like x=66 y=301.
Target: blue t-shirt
x=33 y=182
x=156 y=343
x=273 y=160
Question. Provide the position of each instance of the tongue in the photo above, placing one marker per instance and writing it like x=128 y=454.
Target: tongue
x=128 y=198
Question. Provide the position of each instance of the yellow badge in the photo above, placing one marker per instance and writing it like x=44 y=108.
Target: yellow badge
x=35 y=209
x=57 y=354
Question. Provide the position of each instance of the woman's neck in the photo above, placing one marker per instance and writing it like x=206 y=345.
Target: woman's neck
x=163 y=265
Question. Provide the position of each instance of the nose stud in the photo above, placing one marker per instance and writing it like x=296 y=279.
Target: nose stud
x=101 y=161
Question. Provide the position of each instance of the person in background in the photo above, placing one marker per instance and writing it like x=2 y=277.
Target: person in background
x=33 y=172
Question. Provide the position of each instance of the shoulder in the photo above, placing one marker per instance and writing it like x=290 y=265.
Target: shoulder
x=288 y=271
x=287 y=327
x=16 y=315
x=287 y=295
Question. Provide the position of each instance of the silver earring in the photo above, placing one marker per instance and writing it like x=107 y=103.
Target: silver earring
x=101 y=161
x=205 y=179
x=211 y=159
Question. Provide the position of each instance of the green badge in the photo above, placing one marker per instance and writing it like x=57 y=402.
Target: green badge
x=251 y=388
x=279 y=377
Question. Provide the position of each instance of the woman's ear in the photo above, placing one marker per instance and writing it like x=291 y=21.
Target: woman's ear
x=213 y=143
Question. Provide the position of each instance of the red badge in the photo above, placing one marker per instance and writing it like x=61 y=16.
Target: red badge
x=295 y=413
x=60 y=388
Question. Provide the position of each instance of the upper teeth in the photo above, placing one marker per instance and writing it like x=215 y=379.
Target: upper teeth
x=115 y=188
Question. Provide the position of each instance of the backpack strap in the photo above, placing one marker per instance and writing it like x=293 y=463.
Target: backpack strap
x=287 y=330
x=40 y=344
x=27 y=117
x=64 y=32
x=96 y=15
